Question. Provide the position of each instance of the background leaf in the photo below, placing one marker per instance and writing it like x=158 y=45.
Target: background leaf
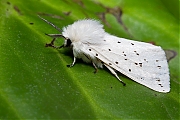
x=35 y=82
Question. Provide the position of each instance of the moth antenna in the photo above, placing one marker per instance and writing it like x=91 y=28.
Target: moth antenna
x=50 y=23
x=55 y=35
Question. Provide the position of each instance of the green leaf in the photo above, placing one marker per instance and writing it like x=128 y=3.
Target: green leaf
x=35 y=82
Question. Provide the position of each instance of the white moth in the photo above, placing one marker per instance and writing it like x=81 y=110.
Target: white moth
x=142 y=62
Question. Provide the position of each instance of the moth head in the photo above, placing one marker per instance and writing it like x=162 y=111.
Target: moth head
x=67 y=40
x=84 y=31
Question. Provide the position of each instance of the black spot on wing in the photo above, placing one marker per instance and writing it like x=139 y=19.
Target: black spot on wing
x=140 y=64
x=160 y=85
x=136 y=53
x=158 y=80
x=159 y=66
x=145 y=60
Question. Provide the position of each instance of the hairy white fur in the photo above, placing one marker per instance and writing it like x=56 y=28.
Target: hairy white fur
x=85 y=31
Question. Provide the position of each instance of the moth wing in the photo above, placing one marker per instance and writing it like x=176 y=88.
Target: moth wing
x=142 y=62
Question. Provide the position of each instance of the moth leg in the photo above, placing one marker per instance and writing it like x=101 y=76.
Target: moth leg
x=114 y=73
x=51 y=44
x=96 y=69
x=72 y=64
x=54 y=36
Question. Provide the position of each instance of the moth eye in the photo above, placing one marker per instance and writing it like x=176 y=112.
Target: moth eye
x=68 y=42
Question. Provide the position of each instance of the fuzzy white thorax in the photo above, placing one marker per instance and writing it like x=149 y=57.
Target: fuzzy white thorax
x=85 y=31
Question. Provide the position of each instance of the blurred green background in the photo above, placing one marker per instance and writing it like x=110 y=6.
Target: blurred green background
x=36 y=84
